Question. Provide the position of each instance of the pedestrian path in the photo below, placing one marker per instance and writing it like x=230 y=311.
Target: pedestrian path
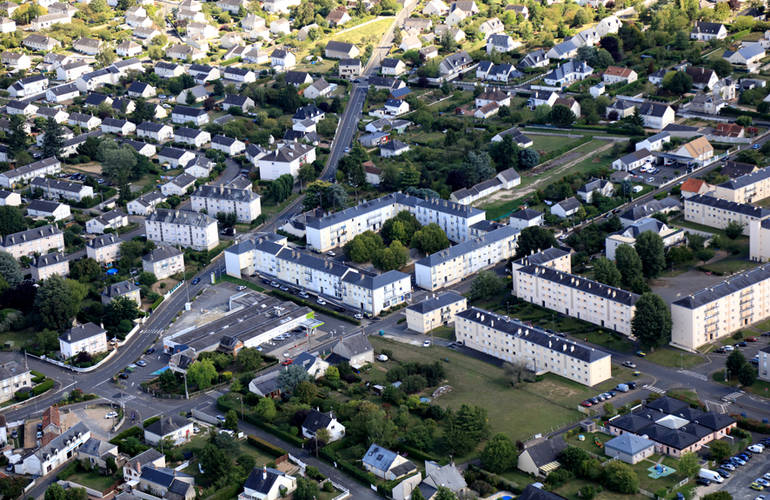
x=693 y=374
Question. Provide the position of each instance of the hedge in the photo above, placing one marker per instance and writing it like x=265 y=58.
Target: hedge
x=418 y=454
x=42 y=387
x=150 y=421
x=312 y=305
x=752 y=425
x=226 y=493
x=263 y=445
x=329 y=454
x=68 y=470
x=37 y=377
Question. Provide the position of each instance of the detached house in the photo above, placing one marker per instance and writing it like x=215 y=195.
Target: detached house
x=500 y=43
x=287 y=159
x=454 y=64
x=586 y=191
x=386 y=464
x=616 y=74
x=702 y=78
x=158 y=132
x=317 y=420
x=184 y=114
x=40 y=43
x=705 y=32
x=88 y=46
x=16 y=60
x=104 y=249
x=748 y=57
x=656 y=115
x=340 y=50
x=227 y=145
x=568 y=73
x=565 y=208
x=267 y=484
x=174 y=427
x=392 y=67
x=191 y=136
x=282 y=60
x=28 y=86
x=699 y=150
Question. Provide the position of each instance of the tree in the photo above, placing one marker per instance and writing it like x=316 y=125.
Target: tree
x=202 y=373
x=248 y=359
x=652 y=320
x=499 y=454
x=465 y=428
x=106 y=57
x=505 y=153
x=17 y=136
x=747 y=375
x=430 y=239
x=55 y=492
x=402 y=227
x=719 y=450
x=677 y=82
x=620 y=478
x=721 y=66
x=717 y=495
x=143 y=111
x=486 y=285
x=394 y=257
x=85 y=270
x=528 y=158
x=689 y=464
x=628 y=263
x=735 y=361
x=477 y=167
x=649 y=247
x=332 y=374
x=231 y=420
x=11 y=220
x=364 y=247
x=306 y=490
x=613 y=45
x=533 y=239
x=445 y=493
x=306 y=173
x=266 y=409
x=370 y=424
x=53 y=139
x=291 y=377
x=606 y=272
x=733 y=229
x=10 y=269
x=55 y=303
x=562 y=116
x=147 y=278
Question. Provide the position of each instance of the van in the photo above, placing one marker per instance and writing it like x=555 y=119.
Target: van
x=622 y=387
x=710 y=475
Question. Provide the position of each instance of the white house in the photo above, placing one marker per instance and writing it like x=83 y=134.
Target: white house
x=114 y=219
x=48 y=265
x=174 y=427
x=227 y=145
x=286 y=159
x=565 y=208
x=586 y=191
x=88 y=338
x=178 y=185
x=56 y=452
x=656 y=115
x=184 y=114
x=317 y=420
x=393 y=148
x=267 y=484
x=158 y=132
x=705 y=32
x=192 y=136
x=633 y=160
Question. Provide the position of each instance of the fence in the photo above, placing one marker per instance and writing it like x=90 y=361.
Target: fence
x=302 y=465
x=204 y=417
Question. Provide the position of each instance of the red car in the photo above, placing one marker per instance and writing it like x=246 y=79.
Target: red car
x=586 y=404
x=287 y=362
x=751 y=339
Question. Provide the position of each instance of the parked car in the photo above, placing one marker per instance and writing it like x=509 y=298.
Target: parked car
x=111 y=414
x=756 y=486
x=702 y=482
x=641 y=354
x=196 y=281
x=728 y=348
x=723 y=473
x=220 y=419
x=756 y=448
x=141 y=362
x=727 y=466
x=426 y=343
x=321 y=301
x=150 y=350
x=586 y=404
x=358 y=316
x=287 y=362
x=629 y=364
x=751 y=339
x=303 y=294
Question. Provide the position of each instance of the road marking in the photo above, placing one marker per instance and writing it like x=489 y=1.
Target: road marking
x=699 y=376
x=732 y=396
x=719 y=407
x=652 y=388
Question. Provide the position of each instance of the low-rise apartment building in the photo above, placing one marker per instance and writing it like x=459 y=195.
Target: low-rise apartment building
x=50 y=264
x=718 y=311
x=435 y=311
x=718 y=213
x=457 y=262
x=575 y=296
x=182 y=227
x=47 y=166
x=57 y=452
x=244 y=203
x=145 y=203
x=539 y=351
x=104 y=248
x=746 y=188
x=59 y=189
x=88 y=338
x=164 y=261
x=39 y=240
x=333 y=230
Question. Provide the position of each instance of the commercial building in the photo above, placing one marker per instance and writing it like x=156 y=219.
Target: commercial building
x=244 y=203
x=104 y=248
x=719 y=310
x=673 y=426
x=164 y=261
x=572 y=295
x=39 y=240
x=88 y=338
x=746 y=188
x=539 y=351
x=435 y=311
x=181 y=227
x=457 y=262
x=718 y=213
x=333 y=230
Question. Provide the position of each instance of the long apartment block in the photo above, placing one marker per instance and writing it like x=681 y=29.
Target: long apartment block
x=271 y=256
x=39 y=240
x=452 y=265
x=244 y=203
x=553 y=286
x=334 y=230
x=538 y=350
x=716 y=212
x=747 y=188
x=718 y=311
x=182 y=227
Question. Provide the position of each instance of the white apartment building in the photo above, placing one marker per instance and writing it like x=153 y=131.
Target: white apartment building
x=764 y=364
x=575 y=296
x=57 y=452
x=88 y=337
x=244 y=203
x=58 y=189
x=287 y=159
x=48 y=265
x=39 y=240
x=452 y=265
x=181 y=227
x=334 y=230
x=13 y=376
x=114 y=219
x=746 y=188
x=104 y=248
x=718 y=311
x=555 y=258
x=144 y=204
x=539 y=351
x=435 y=311
x=164 y=261
x=41 y=168
x=270 y=256
x=718 y=213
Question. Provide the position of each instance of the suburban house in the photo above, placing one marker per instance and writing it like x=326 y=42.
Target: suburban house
x=693 y=186
x=541 y=457
x=126 y=288
x=601 y=186
x=747 y=57
x=267 y=484
x=174 y=427
x=104 y=248
x=615 y=74
x=287 y=159
x=317 y=420
x=632 y=161
x=386 y=464
x=656 y=115
x=48 y=265
x=163 y=261
x=565 y=208
x=113 y=220
x=354 y=350
x=568 y=73
x=704 y=32
x=340 y=50
x=88 y=338
x=55 y=453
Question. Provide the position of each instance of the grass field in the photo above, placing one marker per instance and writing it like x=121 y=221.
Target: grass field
x=674 y=358
x=269 y=208
x=548 y=143
x=366 y=33
x=92 y=480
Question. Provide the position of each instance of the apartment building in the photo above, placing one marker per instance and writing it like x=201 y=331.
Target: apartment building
x=48 y=265
x=13 y=376
x=435 y=311
x=104 y=248
x=457 y=262
x=333 y=230
x=718 y=311
x=746 y=188
x=576 y=296
x=539 y=351
x=41 y=168
x=182 y=227
x=244 y=203
x=270 y=255
x=59 y=189
x=718 y=213
x=553 y=257
x=39 y=240
x=164 y=261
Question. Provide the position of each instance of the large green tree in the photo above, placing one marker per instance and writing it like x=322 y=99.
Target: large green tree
x=606 y=272
x=533 y=239
x=652 y=320
x=499 y=454
x=202 y=373
x=629 y=264
x=466 y=427
x=11 y=220
x=56 y=304
x=649 y=247
x=290 y=377
x=430 y=239
x=621 y=478
x=370 y=424
x=689 y=464
x=10 y=269
x=486 y=285
x=53 y=138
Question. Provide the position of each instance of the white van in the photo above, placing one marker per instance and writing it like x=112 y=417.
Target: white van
x=710 y=475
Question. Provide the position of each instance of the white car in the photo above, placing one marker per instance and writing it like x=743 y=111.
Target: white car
x=321 y=301
x=382 y=357
x=426 y=343
x=756 y=448
x=111 y=414
x=729 y=348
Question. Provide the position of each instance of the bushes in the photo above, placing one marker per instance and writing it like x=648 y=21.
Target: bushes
x=42 y=387
x=263 y=445
x=150 y=421
x=37 y=377
x=750 y=424
x=329 y=454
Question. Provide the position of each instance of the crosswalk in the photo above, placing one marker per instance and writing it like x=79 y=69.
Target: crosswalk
x=718 y=407
x=652 y=388
x=154 y=331
x=689 y=373
x=732 y=396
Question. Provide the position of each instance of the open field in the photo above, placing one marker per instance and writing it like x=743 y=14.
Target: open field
x=674 y=358
x=92 y=480
x=366 y=33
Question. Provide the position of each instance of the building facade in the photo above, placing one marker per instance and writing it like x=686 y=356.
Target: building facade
x=180 y=227
x=435 y=311
x=244 y=203
x=39 y=240
x=718 y=213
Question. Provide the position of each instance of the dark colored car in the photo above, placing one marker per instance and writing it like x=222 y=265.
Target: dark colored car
x=150 y=350
x=196 y=281
x=702 y=481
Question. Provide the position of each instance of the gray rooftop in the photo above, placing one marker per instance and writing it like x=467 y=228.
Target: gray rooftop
x=468 y=246
x=183 y=217
x=725 y=288
x=729 y=206
x=436 y=302
x=582 y=284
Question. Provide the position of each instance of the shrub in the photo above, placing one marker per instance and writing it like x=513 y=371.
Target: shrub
x=265 y=446
x=42 y=387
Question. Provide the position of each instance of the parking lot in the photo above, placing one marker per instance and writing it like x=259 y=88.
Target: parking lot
x=655 y=175
x=738 y=485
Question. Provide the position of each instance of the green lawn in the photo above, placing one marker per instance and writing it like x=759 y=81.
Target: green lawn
x=92 y=480
x=502 y=209
x=674 y=358
x=363 y=35
x=730 y=265
x=548 y=143
x=269 y=208
x=444 y=332
x=760 y=387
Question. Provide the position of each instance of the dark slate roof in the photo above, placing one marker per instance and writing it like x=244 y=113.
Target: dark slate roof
x=167 y=424
x=188 y=111
x=46 y=206
x=188 y=132
x=309 y=111
x=649 y=208
x=121 y=288
x=374 y=282
x=582 y=284
x=532 y=334
x=317 y=420
x=727 y=287
x=145 y=457
x=532 y=492
x=468 y=246
x=235 y=100
x=569 y=204
x=162 y=252
x=436 y=302
x=161 y=475
x=649 y=108
x=716 y=421
x=526 y=214
x=81 y=332
x=733 y=169
x=542 y=257
x=50 y=259
x=546 y=451
x=94 y=99
x=349 y=347
x=708 y=28
x=629 y=443
x=296 y=77
x=730 y=206
x=30 y=234
x=748 y=179
x=104 y=240
x=262 y=479
x=378 y=457
x=667 y=405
